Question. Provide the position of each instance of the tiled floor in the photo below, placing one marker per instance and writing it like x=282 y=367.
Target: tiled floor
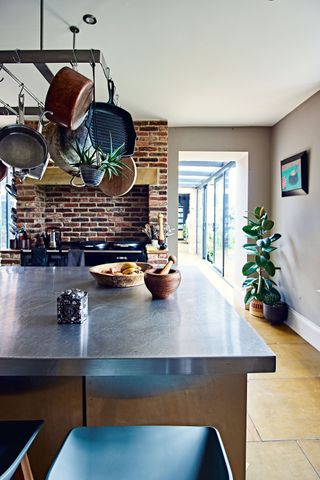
x=283 y=407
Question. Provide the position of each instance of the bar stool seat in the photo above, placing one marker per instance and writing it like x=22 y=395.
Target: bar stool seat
x=141 y=453
x=15 y=439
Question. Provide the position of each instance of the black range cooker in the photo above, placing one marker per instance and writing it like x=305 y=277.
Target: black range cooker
x=99 y=251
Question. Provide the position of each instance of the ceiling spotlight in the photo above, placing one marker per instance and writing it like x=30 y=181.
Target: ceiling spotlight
x=89 y=19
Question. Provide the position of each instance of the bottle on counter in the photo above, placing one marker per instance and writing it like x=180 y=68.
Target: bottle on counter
x=161 y=230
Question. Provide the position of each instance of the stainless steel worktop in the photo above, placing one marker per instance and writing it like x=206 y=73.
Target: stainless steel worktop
x=195 y=331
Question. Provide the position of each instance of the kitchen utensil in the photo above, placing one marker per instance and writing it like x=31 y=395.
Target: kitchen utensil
x=12 y=189
x=118 y=281
x=60 y=141
x=38 y=172
x=161 y=286
x=21 y=146
x=120 y=184
x=109 y=123
x=3 y=171
x=68 y=98
x=166 y=269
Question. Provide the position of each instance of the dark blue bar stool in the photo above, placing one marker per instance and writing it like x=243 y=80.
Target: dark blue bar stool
x=141 y=453
x=15 y=439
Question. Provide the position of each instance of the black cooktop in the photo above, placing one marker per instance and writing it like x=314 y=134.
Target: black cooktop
x=125 y=244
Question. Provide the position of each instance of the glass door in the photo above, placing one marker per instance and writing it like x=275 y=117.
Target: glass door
x=204 y=223
x=218 y=229
x=210 y=221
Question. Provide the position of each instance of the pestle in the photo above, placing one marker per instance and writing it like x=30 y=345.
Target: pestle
x=166 y=269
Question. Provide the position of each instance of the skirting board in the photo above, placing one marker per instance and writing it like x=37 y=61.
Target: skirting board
x=304 y=327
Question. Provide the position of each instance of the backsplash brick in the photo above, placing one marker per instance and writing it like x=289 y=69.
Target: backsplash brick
x=87 y=212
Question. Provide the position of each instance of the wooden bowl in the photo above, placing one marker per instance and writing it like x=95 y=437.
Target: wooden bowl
x=118 y=281
x=161 y=286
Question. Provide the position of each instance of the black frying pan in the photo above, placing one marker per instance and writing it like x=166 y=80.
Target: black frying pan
x=21 y=146
x=108 y=123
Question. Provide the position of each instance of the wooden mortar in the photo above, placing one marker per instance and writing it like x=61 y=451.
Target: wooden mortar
x=163 y=282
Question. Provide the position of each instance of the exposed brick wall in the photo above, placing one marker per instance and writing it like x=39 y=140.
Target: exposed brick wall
x=87 y=212
x=90 y=214
x=152 y=151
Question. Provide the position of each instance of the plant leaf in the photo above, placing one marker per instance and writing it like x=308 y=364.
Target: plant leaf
x=258 y=212
x=248 y=297
x=247 y=229
x=260 y=260
x=267 y=225
x=275 y=237
x=269 y=282
x=249 y=268
x=249 y=281
x=260 y=242
x=270 y=268
x=251 y=247
x=269 y=249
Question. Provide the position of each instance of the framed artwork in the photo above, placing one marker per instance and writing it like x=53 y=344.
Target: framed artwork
x=294 y=175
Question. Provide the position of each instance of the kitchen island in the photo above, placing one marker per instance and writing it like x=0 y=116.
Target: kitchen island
x=178 y=361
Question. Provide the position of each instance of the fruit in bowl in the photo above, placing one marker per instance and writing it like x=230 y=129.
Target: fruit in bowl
x=120 y=274
x=127 y=268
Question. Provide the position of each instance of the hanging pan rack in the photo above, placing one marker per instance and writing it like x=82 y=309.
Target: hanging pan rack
x=42 y=58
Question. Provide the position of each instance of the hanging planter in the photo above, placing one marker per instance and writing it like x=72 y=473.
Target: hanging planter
x=93 y=164
x=91 y=175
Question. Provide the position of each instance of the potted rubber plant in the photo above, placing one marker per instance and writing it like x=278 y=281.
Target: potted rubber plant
x=260 y=287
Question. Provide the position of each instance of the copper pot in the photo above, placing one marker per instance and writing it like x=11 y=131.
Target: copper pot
x=69 y=97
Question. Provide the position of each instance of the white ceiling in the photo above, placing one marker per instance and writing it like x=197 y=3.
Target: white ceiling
x=194 y=63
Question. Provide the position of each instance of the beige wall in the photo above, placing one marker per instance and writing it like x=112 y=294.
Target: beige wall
x=297 y=218
x=255 y=141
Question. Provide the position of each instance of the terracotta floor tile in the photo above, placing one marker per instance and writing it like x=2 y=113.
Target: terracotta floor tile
x=285 y=409
x=278 y=461
x=298 y=360
x=311 y=449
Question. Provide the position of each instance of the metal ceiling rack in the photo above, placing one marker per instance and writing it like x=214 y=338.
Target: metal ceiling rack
x=41 y=58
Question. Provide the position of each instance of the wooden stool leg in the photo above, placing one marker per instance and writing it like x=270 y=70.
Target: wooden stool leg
x=26 y=468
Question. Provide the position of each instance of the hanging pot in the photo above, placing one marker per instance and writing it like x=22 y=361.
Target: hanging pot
x=68 y=98
x=120 y=184
x=109 y=123
x=21 y=146
x=3 y=171
x=60 y=141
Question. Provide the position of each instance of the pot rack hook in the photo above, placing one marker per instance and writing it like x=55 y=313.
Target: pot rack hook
x=18 y=58
x=21 y=89
x=74 y=31
x=92 y=63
